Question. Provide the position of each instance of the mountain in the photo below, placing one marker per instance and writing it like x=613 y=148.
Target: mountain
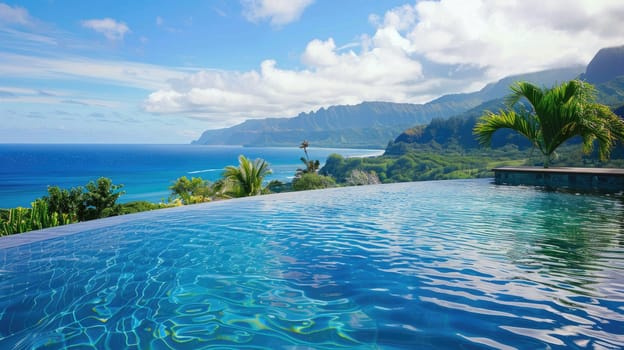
x=369 y=124
x=457 y=130
x=606 y=65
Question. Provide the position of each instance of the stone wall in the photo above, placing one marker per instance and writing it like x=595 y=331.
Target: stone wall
x=575 y=179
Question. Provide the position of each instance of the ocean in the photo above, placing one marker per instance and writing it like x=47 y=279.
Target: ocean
x=146 y=171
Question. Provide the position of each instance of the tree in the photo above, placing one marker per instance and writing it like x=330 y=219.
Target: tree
x=312 y=181
x=100 y=199
x=66 y=202
x=554 y=116
x=312 y=166
x=195 y=190
x=246 y=179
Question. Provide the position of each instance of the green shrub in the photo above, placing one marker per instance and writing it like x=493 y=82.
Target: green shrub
x=37 y=217
x=312 y=181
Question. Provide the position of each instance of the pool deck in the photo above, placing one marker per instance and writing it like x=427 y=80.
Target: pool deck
x=607 y=180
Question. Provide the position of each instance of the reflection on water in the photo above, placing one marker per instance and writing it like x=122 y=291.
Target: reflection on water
x=445 y=265
x=568 y=239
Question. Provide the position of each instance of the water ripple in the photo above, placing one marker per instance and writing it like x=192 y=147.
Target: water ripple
x=445 y=265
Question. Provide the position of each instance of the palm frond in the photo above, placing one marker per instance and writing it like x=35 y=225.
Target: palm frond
x=524 y=124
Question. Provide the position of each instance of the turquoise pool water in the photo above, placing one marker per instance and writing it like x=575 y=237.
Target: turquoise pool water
x=429 y=265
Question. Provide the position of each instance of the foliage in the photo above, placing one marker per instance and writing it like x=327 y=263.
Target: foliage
x=139 y=206
x=554 y=116
x=36 y=217
x=312 y=181
x=195 y=190
x=100 y=199
x=68 y=202
x=246 y=179
x=430 y=162
x=312 y=166
x=277 y=186
x=63 y=206
x=96 y=200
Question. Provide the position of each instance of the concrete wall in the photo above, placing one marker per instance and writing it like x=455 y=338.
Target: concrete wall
x=594 y=182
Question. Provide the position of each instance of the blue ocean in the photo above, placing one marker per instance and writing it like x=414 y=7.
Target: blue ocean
x=146 y=171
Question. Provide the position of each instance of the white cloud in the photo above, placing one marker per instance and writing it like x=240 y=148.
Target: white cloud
x=120 y=73
x=279 y=12
x=111 y=29
x=331 y=78
x=417 y=53
x=507 y=37
x=13 y=15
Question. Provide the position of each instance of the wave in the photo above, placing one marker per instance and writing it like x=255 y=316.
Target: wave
x=203 y=171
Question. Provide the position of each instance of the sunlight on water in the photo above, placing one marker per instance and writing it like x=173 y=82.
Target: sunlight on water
x=445 y=265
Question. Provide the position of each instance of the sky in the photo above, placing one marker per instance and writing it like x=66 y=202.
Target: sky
x=161 y=71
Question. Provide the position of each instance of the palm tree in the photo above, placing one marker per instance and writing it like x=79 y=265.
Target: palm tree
x=305 y=146
x=246 y=179
x=311 y=166
x=554 y=116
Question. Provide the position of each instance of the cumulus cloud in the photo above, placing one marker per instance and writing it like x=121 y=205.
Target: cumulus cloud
x=278 y=12
x=111 y=29
x=331 y=77
x=416 y=53
x=13 y=15
x=512 y=37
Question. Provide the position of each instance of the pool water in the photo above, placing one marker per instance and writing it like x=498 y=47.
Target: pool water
x=431 y=265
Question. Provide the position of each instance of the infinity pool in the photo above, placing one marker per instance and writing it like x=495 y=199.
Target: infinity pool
x=428 y=265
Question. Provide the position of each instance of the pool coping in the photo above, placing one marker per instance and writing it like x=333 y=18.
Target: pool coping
x=565 y=170
x=602 y=180
x=19 y=239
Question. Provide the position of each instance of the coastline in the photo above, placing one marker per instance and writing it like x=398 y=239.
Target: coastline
x=145 y=170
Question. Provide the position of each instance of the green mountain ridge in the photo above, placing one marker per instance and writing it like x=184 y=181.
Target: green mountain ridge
x=447 y=149
x=605 y=71
x=457 y=130
x=368 y=124
x=606 y=64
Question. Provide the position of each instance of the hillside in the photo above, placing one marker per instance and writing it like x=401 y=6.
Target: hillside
x=447 y=149
x=607 y=64
x=457 y=130
x=369 y=124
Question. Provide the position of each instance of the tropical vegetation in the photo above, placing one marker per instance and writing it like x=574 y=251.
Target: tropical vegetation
x=308 y=178
x=554 y=116
x=246 y=178
x=442 y=149
x=192 y=191
x=312 y=181
x=64 y=206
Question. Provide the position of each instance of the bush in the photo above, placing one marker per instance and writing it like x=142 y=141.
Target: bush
x=312 y=181
x=139 y=206
x=100 y=199
x=37 y=217
x=195 y=190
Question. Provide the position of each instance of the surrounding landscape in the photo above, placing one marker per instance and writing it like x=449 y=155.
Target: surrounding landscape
x=259 y=174
x=433 y=141
x=439 y=144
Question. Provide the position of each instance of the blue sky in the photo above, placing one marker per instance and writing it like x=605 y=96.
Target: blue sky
x=75 y=71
